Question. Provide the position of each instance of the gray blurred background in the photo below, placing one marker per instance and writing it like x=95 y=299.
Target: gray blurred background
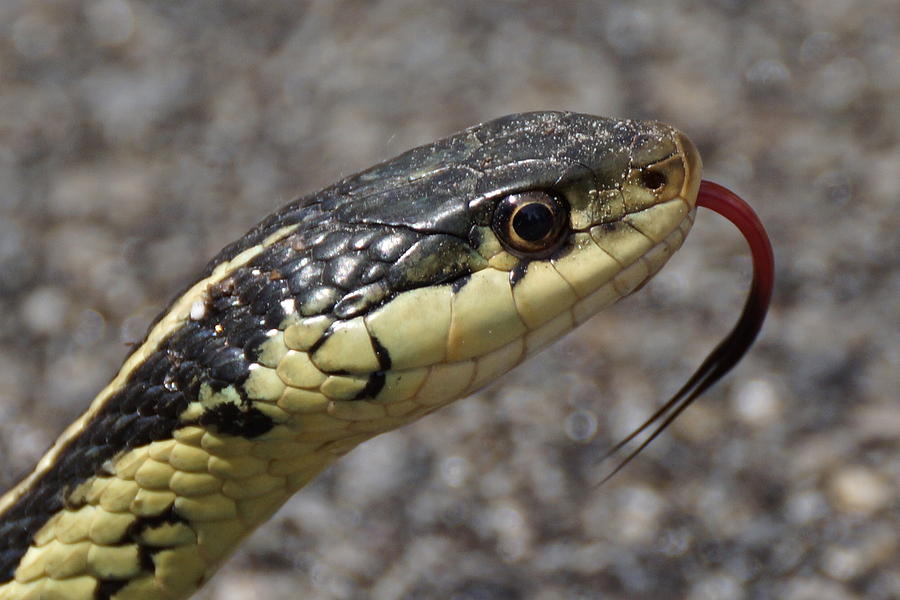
x=137 y=138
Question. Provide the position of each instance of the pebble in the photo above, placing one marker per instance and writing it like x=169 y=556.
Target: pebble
x=859 y=490
x=45 y=310
x=756 y=402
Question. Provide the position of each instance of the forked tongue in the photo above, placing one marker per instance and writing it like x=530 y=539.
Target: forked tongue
x=731 y=349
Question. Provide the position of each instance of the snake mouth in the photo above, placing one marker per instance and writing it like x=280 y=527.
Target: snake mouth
x=693 y=169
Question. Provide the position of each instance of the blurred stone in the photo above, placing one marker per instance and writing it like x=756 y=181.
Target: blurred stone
x=840 y=83
x=35 y=36
x=815 y=588
x=455 y=470
x=756 y=403
x=807 y=506
x=716 y=587
x=630 y=30
x=111 y=21
x=768 y=74
x=857 y=489
x=638 y=514
x=581 y=426
x=45 y=310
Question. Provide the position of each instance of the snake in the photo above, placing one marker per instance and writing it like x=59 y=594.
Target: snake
x=347 y=313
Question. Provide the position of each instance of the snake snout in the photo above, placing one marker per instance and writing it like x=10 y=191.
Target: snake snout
x=693 y=168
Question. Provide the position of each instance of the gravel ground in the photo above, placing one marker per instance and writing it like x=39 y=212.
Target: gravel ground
x=137 y=138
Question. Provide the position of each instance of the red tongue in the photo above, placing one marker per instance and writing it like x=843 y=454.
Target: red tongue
x=730 y=350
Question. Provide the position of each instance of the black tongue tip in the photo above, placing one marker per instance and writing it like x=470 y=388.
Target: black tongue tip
x=731 y=349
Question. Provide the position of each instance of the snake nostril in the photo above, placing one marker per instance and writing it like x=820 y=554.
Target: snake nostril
x=653 y=180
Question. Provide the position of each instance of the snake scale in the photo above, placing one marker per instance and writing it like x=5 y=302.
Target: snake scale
x=349 y=312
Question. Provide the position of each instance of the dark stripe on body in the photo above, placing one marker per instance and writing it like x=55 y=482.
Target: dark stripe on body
x=148 y=406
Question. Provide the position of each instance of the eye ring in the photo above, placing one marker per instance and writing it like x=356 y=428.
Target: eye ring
x=531 y=223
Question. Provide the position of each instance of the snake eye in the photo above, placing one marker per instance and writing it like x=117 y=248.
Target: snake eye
x=531 y=222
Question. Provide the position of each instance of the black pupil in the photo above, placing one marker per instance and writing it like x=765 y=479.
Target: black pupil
x=533 y=221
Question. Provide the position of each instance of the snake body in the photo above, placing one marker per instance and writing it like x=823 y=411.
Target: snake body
x=345 y=314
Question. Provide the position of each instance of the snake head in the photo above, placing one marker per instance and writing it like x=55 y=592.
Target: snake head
x=626 y=190
x=488 y=245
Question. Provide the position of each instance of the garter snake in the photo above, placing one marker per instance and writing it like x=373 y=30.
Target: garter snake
x=345 y=314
